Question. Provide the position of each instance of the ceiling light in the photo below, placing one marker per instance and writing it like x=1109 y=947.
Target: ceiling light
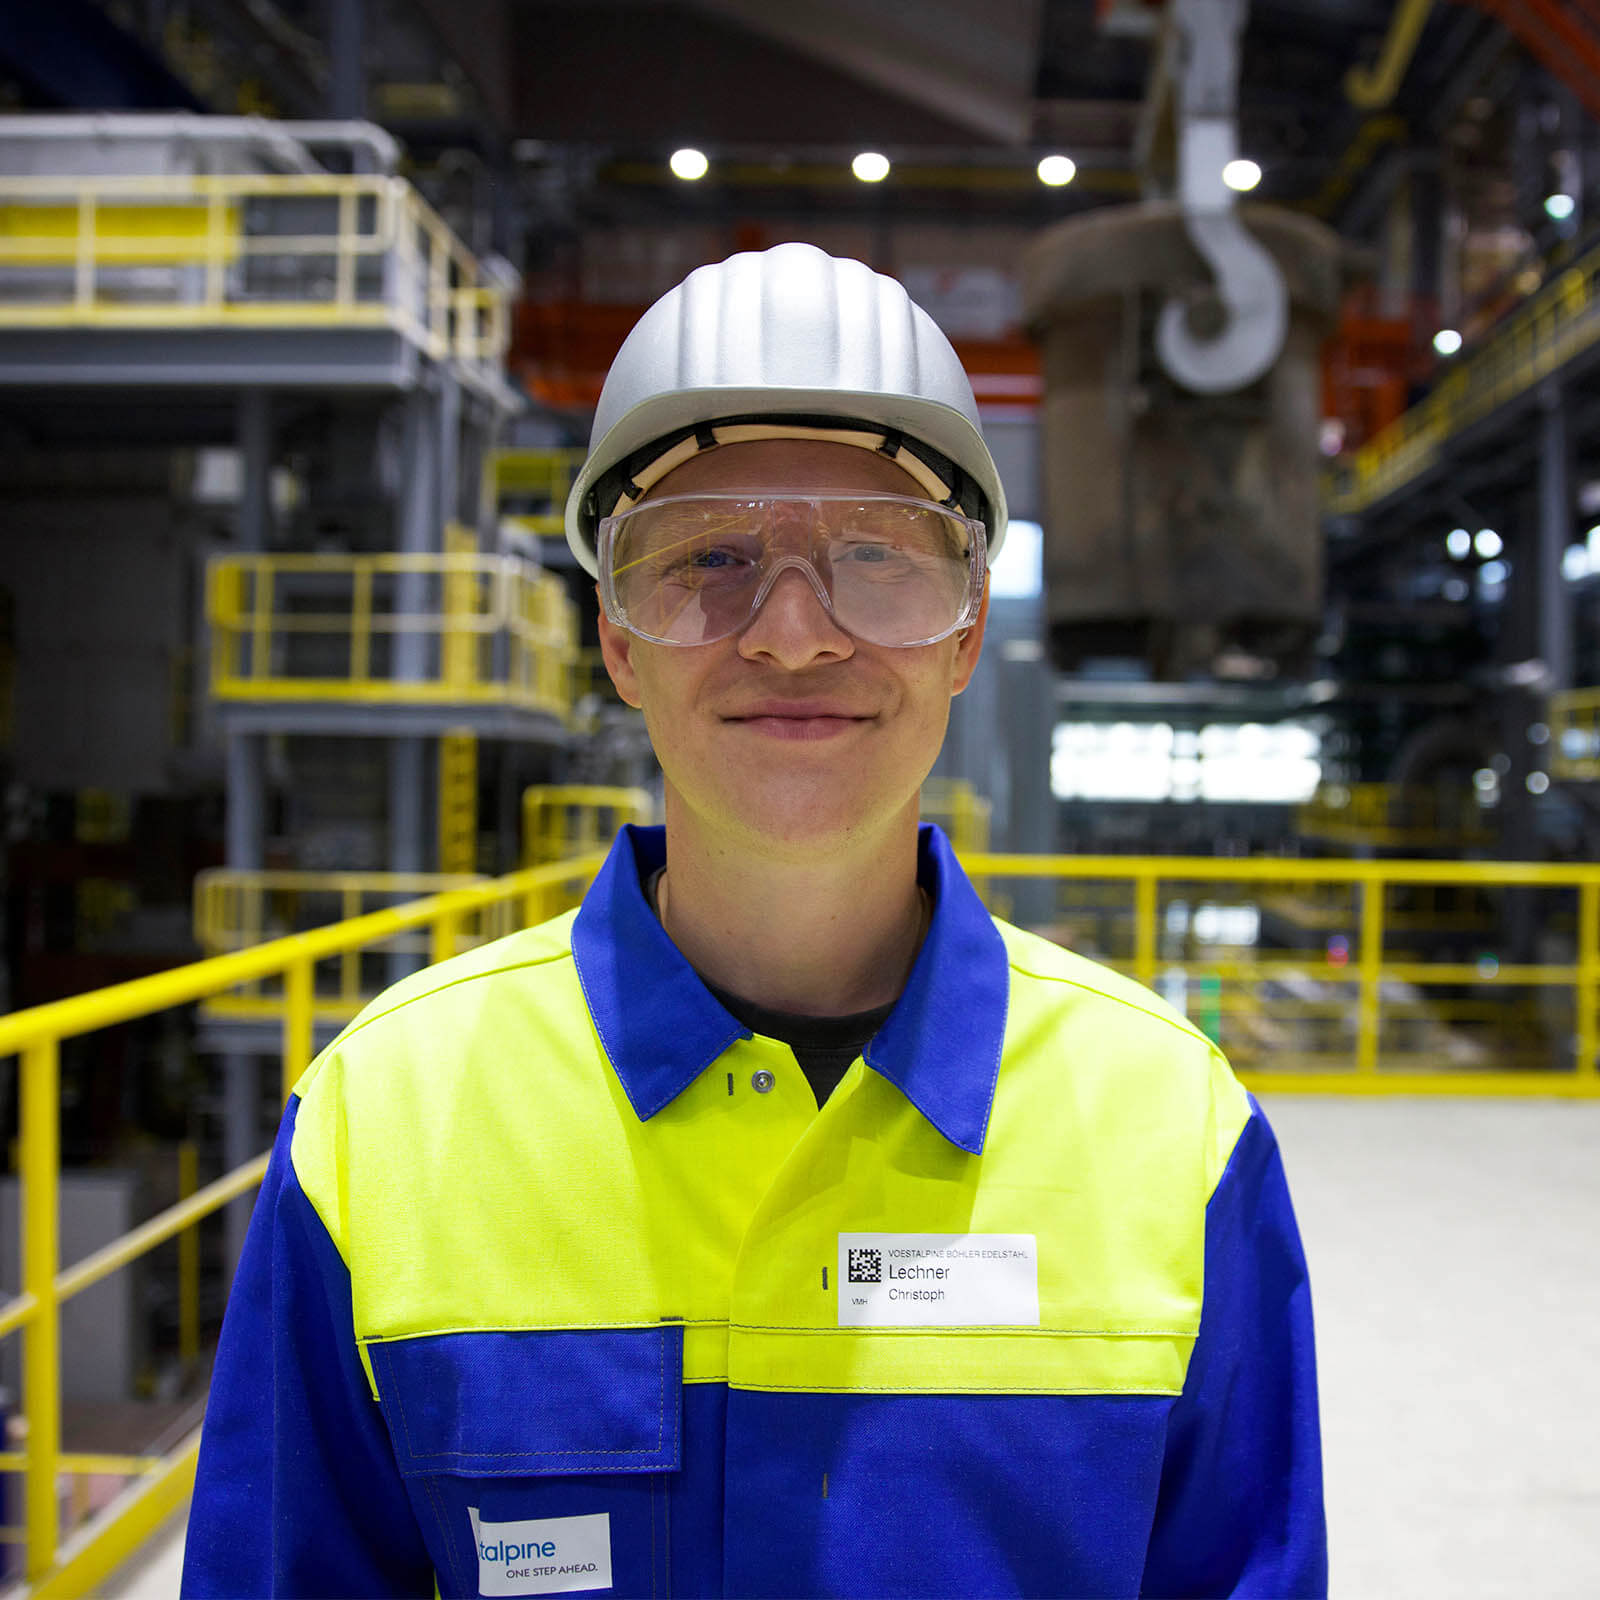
x=1459 y=543
x=689 y=164
x=1488 y=544
x=1241 y=174
x=1447 y=341
x=1575 y=562
x=1057 y=170
x=1558 y=207
x=870 y=167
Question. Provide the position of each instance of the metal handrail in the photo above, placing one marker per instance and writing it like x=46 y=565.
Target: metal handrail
x=1574 y=722
x=506 y=631
x=561 y=818
x=75 y=251
x=1370 y=968
x=35 y=1035
x=1553 y=326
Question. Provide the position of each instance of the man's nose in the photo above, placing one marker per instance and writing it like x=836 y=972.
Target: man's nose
x=792 y=624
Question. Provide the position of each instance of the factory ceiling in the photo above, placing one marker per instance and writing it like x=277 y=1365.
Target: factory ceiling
x=577 y=103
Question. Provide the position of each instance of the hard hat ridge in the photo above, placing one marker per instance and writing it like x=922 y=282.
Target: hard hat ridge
x=787 y=342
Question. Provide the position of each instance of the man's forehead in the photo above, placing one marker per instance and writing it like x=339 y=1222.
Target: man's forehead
x=801 y=465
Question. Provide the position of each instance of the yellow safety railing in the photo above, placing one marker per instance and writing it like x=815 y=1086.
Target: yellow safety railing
x=1575 y=734
x=237 y=910
x=1369 y=995
x=391 y=629
x=530 y=487
x=960 y=810
x=1392 y=816
x=1558 y=323
x=246 y=250
x=565 y=819
x=160 y=1483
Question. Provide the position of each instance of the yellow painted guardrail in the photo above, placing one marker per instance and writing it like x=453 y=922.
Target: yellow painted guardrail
x=1369 y=1002
x=1392 y=816
x=246 y=250
x=1575 y=734
x=238 y=910
x=1557 y=323
x=1348 y=1010
x=391 y=629
x=161 y=1483
x=960 y=810
x=567 y=819
x=527 y=475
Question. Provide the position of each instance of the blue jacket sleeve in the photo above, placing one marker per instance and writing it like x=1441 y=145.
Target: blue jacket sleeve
x=1240 y=1508
x=297 y=1492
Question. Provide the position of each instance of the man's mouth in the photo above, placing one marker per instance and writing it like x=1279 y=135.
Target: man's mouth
x=798 y=719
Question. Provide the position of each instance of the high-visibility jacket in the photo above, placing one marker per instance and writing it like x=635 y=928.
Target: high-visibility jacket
x=560 y=1283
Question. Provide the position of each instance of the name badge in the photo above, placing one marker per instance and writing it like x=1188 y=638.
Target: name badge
x=546 y=1555
x=938 y=1280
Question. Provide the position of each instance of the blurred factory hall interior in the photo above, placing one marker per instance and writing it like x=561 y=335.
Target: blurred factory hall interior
x=1283 y=322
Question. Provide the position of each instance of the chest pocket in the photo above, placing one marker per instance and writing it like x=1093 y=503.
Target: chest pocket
x=536 y=1460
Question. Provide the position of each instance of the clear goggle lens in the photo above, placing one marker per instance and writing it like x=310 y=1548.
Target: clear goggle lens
x=694 y=568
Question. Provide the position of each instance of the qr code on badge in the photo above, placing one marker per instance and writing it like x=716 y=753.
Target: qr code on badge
x=866 y=1266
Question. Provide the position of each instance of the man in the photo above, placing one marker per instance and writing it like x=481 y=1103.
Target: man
x=777 y=1223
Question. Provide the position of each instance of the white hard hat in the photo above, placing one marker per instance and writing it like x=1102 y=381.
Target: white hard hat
x=787 y=342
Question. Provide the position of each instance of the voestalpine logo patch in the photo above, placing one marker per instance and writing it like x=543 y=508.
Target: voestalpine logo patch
x=546 y=1555
x=938 y=1280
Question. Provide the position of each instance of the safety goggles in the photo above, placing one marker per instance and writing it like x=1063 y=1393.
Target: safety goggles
x=694 y=568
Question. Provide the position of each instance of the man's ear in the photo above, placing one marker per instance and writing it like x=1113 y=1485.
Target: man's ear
x=969 y=642
x=616 y=650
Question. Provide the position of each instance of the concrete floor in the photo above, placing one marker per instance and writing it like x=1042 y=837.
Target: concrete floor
x=1455 y=1268
x=1454 y=1248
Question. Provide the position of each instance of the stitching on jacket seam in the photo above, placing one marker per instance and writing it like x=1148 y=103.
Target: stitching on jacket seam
x=449 y=1537
x=1180 y=1024
x=454 y=983
x=946 y=1388
x=991 y=1329
x=372 y=1339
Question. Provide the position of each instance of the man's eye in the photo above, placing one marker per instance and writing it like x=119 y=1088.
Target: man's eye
x=709 y=560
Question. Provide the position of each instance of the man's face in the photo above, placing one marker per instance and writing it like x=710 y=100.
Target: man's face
x=791 y=734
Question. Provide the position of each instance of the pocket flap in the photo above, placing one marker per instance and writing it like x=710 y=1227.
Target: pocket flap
x=533 y=1404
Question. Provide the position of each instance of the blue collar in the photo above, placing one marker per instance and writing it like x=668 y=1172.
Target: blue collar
x=661 y=1028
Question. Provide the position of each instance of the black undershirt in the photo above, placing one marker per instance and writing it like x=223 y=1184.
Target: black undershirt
x=824 y=1046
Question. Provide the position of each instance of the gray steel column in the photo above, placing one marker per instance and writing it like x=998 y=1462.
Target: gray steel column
x=347 y=82
x=246 y=818
x=241 y=1070
x=255 y=462
x=1555 y=534
x=420 y=533
x=241 y=1140
x=449 y=458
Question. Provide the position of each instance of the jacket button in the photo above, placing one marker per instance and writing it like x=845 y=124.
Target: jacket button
x=762 y=1081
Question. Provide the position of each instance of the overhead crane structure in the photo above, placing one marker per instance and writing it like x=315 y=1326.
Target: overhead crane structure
x=1502 y=431
x=215 y=264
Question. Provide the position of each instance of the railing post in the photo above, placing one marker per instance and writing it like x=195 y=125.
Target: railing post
x=344 y=292
x=41 y=1339
x=1588 y=976
x=444 y=936
x=216 y=219
x=1371 y=968
x=361 y=624
x=1144 y=928
x=297 y=1022
x=87 y=253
